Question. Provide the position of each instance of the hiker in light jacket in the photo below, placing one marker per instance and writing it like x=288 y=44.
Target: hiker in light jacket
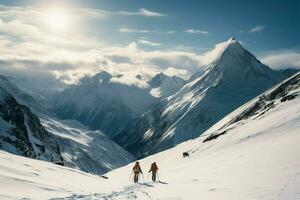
x=137 y=170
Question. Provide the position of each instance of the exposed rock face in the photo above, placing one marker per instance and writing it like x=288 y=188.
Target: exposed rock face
x=21 y=96
x=22 y=133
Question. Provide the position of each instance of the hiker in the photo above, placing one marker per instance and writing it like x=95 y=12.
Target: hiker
x=137 y=170
x=153 y=169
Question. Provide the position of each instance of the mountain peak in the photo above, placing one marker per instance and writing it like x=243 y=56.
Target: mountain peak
x=232 y=38
x=236 y=64
x=232 y=47
x=161 y=74
x=99 y=78
x=214 y=55
x=102 y=77
x=157 y=79
x=233 y=42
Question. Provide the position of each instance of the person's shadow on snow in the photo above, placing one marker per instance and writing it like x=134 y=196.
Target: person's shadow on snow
x=146 y=184
x=163 y=182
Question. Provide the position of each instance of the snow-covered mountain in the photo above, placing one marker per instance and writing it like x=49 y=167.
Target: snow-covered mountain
x=100 y=103
x=232 y=79
x=81 y=148
x=74 y=144
x=164 y=86
x=22 y=133
x=21 y=96
x=282 y=103
x=256 y=157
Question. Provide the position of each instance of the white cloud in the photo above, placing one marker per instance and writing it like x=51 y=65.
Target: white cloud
x=130 y=30
x=171 y=71
x=88 y=12
x=214 y=54
x=257 y=29
x=98 y=13
x=281 y=59
x=30 y=50
x=196 y=31
x=144 y=41
x=143 y=12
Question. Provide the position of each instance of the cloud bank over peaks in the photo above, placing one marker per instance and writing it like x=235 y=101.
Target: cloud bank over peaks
x=29 y=50
x=68 y=66
x=281 y=59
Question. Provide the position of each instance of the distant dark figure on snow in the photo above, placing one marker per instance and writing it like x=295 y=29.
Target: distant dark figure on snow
x=153 y=169
x=185 y=154
x=137 y=170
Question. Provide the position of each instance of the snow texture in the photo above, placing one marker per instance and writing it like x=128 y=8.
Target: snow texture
x=64 y=142
x=256 y=158
x=89 y=151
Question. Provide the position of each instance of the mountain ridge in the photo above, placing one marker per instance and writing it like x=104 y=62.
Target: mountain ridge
x=233 y=78
x=32 y=133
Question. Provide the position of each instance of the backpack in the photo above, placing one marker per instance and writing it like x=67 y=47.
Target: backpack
x=136 y=169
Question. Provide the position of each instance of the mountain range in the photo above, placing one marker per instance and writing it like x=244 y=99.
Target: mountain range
x=109 y=105
x=28 y=131
x=102 y=123
x=252 y=153
x=234 y=78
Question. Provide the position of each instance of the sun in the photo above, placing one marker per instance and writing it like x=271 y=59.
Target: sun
x=57 y=20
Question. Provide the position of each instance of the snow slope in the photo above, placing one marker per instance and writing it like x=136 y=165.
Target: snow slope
x=89 y=151
x=231 y=80
x=256 y=158
x=37 y=134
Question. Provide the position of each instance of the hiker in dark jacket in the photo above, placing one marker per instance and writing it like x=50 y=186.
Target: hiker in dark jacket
x=137 y=170
x=153 y=169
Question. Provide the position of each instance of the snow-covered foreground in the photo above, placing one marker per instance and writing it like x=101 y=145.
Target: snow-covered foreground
x=257 y=158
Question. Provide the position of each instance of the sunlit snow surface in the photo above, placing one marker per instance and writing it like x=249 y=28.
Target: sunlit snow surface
x=257 y=158
x=90 y=151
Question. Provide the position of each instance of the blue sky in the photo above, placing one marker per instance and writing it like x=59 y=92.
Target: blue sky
x=278 y=21
x=66 y=40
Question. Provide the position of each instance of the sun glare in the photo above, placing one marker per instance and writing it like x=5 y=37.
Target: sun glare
x=57 y=20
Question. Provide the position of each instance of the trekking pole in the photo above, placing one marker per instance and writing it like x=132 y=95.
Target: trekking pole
x=130 y=176
x=158 y=177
